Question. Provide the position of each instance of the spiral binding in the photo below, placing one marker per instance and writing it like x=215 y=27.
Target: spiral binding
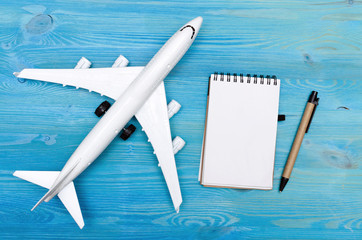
x=248 y=78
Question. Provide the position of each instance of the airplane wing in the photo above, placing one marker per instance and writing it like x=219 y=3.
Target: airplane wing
x=152 y=116
x=155 y=122
x=110 y=82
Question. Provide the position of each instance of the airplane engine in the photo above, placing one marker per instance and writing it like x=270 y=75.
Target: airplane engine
x=121 y=61
x=83 y=63
x=172 y=108
x=178 y=144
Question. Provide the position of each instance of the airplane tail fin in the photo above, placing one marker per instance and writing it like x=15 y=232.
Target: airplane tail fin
x=68 y=195
x=40 y=201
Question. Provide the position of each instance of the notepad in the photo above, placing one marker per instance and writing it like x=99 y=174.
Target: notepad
x=240 y=131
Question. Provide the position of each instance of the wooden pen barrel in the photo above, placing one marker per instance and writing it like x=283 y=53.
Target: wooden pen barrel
x=298 y=139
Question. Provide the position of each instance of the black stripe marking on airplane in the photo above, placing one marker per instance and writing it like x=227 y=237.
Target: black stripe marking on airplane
x=193 y=30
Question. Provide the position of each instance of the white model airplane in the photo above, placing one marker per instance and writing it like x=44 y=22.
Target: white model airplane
x=139 y=92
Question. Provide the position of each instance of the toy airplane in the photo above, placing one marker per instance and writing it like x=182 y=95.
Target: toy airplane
x=139 y=92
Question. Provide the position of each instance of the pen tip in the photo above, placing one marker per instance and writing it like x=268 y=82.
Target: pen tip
x=283 y=183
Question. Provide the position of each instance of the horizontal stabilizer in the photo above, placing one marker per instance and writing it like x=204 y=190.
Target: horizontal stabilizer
x=69 y=198
x=67 y=195
x=41 y=178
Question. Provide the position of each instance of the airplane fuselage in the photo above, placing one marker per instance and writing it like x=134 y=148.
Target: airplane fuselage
x=126 y=106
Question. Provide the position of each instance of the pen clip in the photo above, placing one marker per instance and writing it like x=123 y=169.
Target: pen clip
x=311 y=117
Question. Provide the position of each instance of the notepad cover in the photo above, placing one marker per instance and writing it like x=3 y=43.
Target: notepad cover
x=240 y=133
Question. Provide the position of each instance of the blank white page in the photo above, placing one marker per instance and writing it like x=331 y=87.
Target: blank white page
x=240 y=134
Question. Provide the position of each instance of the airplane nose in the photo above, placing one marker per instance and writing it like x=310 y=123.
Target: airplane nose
x=196 y=23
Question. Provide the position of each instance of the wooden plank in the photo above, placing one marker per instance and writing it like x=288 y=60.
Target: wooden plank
x=309 y=45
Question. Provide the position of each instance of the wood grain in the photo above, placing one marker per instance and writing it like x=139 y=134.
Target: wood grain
x=309 y=45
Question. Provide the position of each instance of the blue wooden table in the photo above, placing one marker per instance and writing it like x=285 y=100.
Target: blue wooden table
x=309 y=45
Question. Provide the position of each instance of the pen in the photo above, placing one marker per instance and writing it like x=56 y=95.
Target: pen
x=302 y=130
